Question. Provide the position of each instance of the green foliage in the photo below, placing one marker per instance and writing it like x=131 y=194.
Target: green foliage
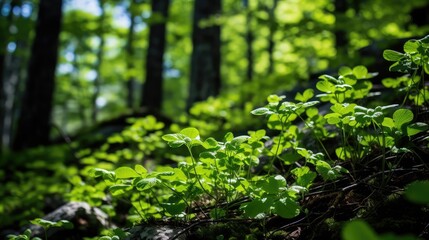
x=25 y=236
x=414 y=61
x=418 y=192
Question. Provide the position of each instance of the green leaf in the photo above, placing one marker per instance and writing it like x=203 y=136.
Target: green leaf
x=391 y=55
x=170 y=137
x=210 y=143
x=274 y=98
x=273 y=184
x=344 y=71
x=304 y=176
x=140 y=169
x=175 y=208
x=228 y=137
x=418 y=192
x=261 y=111
x=360 y=71
x=126 y=172
x=42 y=222
x=286 y=208
x=411 y=46
x=344 y=153
x=305 y=96
x=191 y=132
x=325 y=86
x=416 y=128
x=402 y=116
x=146 y=183
x=176 y=144
x=358 y=230
x=119 y=189
x=388 y=122
x=257 y=208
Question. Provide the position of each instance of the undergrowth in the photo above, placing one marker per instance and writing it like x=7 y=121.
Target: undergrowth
x=323 y=139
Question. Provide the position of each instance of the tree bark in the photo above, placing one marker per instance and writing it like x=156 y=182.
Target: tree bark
x=341 y=40
x=4 y=40
x=153 y=87
x=249 y=41
x=34 y=121
x=271 y=43
x=131 y=81
x=205 y=60
x=100 y=54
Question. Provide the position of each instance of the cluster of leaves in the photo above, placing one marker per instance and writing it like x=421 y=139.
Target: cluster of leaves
x=414 y=61
x=255 y=176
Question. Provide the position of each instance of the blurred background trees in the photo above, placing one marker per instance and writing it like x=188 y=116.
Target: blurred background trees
x=116 y=57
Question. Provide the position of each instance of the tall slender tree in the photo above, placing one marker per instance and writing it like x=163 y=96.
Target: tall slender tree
x=4 y=40
x=341 y=40
x=249 y=41
x=99 y=62
x=153 y=86
x=34 y=126
x=129 y=47
x=205 y=60
x=271 y=43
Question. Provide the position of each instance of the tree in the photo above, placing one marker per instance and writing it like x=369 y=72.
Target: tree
x=153 y=87
x=100 y=53
x=273 y=27
x=129 y=47
x=341 y=39
x=205 y=60
x=4 y=40
x=34 y=126
x=249 y=41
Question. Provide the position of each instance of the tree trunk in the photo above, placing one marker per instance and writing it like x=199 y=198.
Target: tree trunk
x=341 y=40
x=100 y=53
x=4 y=40
x=131 y=81
x=205 y=60
x=153 y=86
x=34 y=122
x=249 y=41
x=271 y=43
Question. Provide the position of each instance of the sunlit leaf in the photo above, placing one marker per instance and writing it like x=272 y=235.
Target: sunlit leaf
x=126 y=172
x=391 y=55
x=191 y=132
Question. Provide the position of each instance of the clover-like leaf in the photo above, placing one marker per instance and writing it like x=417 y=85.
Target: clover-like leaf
x=262 y=111
x=191 y=132
x=358 y=230
x=140 y=169
x=119 y=189
x=170 y=137
x=416 y=128
x=360 y=71
x=126 y=172
x=402 y=116
x=286 y=208
x=392 y=56
x=411 y=46
x=305 y=96
x=146 y=183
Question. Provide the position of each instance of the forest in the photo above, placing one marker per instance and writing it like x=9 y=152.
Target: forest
x=214 y=119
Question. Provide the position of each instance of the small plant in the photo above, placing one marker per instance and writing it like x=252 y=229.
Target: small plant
x=414 y=62
x=25 y=236
x=45 y=224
